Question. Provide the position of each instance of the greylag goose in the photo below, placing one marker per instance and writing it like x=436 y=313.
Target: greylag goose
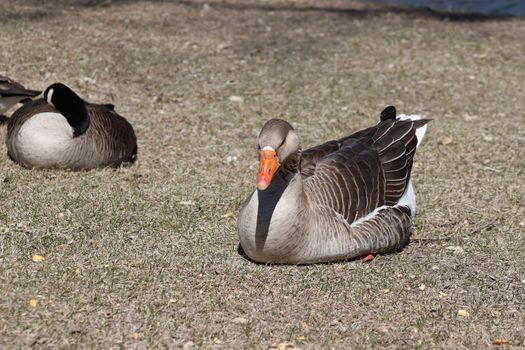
x=12 y=92
x=62 y=130
x=344 y=199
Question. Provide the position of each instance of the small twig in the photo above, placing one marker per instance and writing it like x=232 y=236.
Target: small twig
x=450 y=222
x=486 y=226
x=428 y=240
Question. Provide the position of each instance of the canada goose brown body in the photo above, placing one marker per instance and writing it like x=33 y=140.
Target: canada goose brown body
x=40 y=136
x=12 y=92
x=343 y=199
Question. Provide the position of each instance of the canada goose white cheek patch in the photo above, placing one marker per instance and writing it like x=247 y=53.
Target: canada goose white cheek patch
x=49 y=96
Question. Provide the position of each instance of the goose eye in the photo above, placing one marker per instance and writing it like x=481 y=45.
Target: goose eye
x=282 y=143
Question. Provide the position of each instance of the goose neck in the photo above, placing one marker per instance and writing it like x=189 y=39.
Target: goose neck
x=74 y=109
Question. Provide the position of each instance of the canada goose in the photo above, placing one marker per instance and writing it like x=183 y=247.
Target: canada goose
x=340 y=200
x=12 y=92
x=62 y=130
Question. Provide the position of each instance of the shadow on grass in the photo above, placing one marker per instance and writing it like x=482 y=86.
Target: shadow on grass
x=30 y=15
x=245 y=256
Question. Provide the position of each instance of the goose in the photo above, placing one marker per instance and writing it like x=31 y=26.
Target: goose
x=344 y=199
x=61 y=130
x=12 y=92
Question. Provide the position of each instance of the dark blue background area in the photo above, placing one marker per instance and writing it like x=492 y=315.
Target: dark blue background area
x=488 y=7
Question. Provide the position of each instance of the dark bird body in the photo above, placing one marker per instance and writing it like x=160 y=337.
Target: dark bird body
x=12 y=92
x=69 y=133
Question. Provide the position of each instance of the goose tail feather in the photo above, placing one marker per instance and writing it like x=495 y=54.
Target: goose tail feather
x=421 y=130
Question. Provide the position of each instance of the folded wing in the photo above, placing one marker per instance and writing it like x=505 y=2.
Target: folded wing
x=364 y=171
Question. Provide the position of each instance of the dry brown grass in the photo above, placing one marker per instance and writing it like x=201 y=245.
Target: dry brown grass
x=141 y=257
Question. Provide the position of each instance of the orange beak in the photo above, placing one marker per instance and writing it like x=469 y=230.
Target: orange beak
x=268 y=165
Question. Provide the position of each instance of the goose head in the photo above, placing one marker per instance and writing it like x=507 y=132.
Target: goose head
x=279 y=149
x=70 y=105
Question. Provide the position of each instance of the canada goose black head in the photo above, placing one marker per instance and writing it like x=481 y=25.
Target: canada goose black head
x=70 y=105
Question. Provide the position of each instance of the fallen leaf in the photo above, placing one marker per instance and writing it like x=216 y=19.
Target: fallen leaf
x=463 y=313
x=223 y=46
x=37 y=258
x=187 y=203
x=188 y=345
x=282 y=346
x=422 y=287
x=487 y=137
x=230 y=159
x=500 y=341
x=240 y=320
x=386 y=291
x=234 y=98
x=229 y=214
x=335 y=322
x=469 y=117
x=33 y=302
x=300 y=337
x=305 y=327
x=442 y=294
x=136 y=335
x=77 y=270
x=455 y=249
x=445 y=140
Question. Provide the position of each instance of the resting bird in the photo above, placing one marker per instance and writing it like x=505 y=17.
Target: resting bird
x=344 y=199
x=12 y=92
x=64 y=131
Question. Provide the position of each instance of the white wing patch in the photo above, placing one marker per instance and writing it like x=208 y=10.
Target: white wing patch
x=408 y=198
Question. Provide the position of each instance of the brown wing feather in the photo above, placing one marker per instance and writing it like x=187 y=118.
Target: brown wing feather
x=120 y=142
x=361 y=172
x=311 y=156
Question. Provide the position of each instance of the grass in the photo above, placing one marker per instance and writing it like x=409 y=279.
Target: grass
x=142 y=257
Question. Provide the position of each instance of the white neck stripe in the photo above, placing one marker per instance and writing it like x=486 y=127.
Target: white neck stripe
x=49 y=95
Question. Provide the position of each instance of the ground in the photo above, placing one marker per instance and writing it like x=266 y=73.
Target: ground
x=146 y=256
